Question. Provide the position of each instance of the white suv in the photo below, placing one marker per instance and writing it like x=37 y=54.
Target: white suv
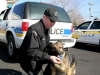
x=16 y=20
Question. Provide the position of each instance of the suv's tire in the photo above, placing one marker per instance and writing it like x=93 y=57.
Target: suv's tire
x=11 y=48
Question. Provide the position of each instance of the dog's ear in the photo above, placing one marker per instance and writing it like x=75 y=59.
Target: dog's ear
x=66 y=49
x=59 y=41
x=63 y=43
x=51 y=49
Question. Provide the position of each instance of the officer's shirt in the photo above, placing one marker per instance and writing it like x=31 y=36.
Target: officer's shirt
x=35 y=42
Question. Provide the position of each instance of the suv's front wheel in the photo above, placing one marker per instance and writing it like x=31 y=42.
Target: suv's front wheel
x=11 y=48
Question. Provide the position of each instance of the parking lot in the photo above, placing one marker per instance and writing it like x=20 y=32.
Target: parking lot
x=88 y=61
x=88 y=58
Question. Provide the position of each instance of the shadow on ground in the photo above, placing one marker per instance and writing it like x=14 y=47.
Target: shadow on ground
x=87 y=47
x=3 y=54
x=9 y=72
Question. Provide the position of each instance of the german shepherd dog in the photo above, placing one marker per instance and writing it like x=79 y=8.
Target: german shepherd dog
x=68 y=64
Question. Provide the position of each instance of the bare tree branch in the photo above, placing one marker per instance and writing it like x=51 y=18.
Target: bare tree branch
x=72 y=7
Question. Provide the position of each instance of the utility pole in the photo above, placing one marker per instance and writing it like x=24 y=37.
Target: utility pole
x=90 y=10
x=40 y=1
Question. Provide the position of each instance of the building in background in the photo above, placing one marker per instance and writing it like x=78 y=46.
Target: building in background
x=6 y=3
x=10 y=2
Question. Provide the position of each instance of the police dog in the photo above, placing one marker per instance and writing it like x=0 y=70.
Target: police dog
x=68 y=64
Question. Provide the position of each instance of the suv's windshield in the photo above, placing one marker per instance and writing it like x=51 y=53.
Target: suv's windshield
x=37 y=9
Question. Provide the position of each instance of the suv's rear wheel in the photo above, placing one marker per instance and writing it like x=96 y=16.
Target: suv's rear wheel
x=11 y=48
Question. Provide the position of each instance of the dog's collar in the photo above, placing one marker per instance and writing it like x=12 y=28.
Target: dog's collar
x=61 y=56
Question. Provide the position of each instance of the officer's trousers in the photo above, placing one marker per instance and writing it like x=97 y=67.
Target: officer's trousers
x=32 y=67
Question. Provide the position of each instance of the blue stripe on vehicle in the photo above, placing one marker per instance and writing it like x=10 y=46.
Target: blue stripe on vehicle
x=17 y=29
x=67 y=31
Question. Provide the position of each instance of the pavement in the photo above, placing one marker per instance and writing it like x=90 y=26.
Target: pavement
x=88 y=61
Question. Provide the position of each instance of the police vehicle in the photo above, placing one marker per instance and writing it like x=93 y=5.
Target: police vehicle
x=15 y=21
x=88 y=32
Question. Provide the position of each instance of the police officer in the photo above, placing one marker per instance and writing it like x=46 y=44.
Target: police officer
x=33 y=53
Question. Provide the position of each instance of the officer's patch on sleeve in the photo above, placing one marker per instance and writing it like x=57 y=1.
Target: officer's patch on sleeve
x=35 y=33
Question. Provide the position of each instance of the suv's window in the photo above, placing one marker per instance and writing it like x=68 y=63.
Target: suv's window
x=84 y=25
x=36 y=12
x=95 y=25
x=18 y=11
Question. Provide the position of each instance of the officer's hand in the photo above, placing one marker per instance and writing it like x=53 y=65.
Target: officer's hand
x=55 y=59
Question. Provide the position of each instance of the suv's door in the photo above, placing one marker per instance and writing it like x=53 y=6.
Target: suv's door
x=93 y=33
x=4 y=25
x=81 y=31
x=1 y=21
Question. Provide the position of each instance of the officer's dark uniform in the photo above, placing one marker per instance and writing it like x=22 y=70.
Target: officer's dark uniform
x=32 y=52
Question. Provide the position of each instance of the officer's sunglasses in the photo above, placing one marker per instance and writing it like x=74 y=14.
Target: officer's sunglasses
x=49 y=19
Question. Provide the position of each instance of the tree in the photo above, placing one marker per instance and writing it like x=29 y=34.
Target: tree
x=72 y=7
